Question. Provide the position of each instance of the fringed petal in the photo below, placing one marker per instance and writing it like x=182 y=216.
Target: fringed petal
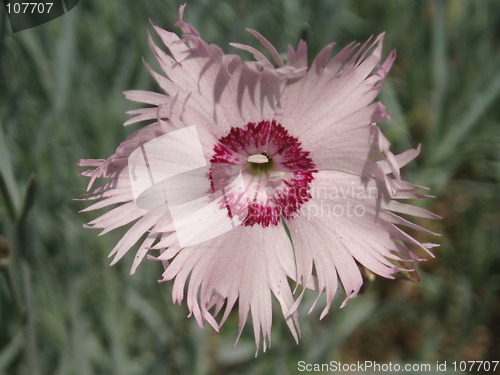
x=243 y=265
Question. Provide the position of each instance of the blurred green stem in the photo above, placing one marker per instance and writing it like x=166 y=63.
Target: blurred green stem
x=3 y=32
x=438 y=69
x=31 y=347
x=13 y=287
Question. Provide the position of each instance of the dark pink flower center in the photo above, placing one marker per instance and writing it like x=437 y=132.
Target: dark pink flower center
x=274 y=170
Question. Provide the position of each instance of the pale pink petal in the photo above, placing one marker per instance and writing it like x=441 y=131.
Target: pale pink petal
x=298 y=57
x=335 y=99
x=246 y=264
x=343 y=224
x=268 y=46
x=134 y=234
x=147 y=97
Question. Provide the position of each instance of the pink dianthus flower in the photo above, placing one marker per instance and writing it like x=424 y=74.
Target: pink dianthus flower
x=255 y=177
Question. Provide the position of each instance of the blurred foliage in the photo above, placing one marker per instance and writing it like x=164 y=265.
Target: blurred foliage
x=64 y=311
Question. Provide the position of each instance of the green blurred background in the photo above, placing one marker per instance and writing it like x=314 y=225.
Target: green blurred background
x=64 y=311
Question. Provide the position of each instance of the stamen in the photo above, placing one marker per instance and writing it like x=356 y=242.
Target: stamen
x=258 y=158
x=260 y=164
x=277 y=175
